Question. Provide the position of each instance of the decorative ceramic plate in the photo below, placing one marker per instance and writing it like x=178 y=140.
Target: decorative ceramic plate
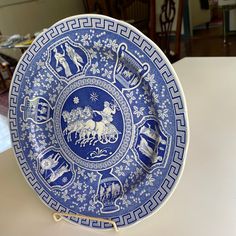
x=98 y=120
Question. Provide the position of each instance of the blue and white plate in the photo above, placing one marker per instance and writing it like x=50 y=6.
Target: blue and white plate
x=98 y=120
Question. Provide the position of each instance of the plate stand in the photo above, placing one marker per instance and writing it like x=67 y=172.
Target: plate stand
x=59 y=216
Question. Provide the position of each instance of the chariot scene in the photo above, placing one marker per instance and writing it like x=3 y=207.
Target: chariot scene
x=94 y=125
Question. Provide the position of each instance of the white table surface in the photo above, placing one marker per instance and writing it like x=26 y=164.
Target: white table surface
x=204 y=202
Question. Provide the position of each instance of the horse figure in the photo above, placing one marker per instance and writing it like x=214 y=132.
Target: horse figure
x=80 y=122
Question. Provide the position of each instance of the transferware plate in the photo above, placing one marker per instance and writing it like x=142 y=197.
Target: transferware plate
x=98 y=121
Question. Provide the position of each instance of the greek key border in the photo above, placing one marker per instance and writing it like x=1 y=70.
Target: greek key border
x=100 y=22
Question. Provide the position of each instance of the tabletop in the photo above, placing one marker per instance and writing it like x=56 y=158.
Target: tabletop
x=204 y=203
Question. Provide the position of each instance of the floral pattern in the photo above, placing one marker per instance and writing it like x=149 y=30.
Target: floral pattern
x=149 y=98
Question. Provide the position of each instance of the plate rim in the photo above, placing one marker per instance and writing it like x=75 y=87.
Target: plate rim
x=183 y=100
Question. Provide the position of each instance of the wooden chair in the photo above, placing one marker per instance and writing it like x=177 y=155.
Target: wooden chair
x=140 y=13
x=169 y=40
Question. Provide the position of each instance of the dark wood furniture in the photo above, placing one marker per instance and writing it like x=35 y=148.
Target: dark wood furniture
x=169 y=39
x=139 y=13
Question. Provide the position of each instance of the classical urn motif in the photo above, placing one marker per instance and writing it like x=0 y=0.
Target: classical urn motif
x=37 y=109
x=129 y=71
x=109 y=191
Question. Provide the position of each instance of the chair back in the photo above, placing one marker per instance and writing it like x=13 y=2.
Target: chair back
x=139 y=13
x=169 y=39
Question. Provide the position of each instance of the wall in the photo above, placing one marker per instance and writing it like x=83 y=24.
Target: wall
x=232 y=15
x=197 y=15
x=28 y=17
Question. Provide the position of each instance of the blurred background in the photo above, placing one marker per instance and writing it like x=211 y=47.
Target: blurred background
x=181 y=28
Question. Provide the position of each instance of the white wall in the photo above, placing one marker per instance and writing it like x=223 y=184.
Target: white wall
x=29 y=17
x=197 y=15
x=232 y=20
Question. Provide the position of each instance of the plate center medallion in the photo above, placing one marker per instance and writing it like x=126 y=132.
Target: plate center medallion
x=91 y=120
x=94 y=123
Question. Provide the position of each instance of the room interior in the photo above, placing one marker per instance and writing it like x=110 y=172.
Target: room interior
x=196 y=28
x=196 y=82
